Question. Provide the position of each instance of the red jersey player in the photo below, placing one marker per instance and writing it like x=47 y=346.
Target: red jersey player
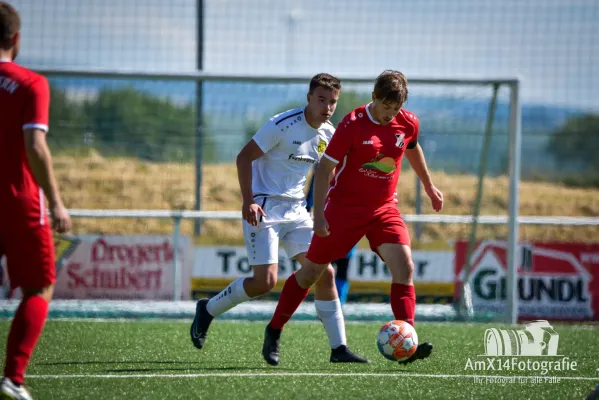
x=25 y=234
x=365 y=153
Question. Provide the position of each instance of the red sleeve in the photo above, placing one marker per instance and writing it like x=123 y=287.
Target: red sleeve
x=413 y=120
x=416 y=128
x=342 y=141
x=37 y=105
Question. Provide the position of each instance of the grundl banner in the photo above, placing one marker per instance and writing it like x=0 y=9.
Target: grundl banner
x=558 y=281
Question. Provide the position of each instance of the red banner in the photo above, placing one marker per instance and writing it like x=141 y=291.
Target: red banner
x=120 y=267
x=556 y=281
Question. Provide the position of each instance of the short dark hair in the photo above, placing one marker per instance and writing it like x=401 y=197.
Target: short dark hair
x=10 y=24
x=391 y=87
x=326 y=81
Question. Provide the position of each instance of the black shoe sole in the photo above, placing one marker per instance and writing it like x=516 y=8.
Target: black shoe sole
x=197 y=342
x=266 y=355
x=355 y=361
x=270 y=361
x=424 y=350
x=344 y=355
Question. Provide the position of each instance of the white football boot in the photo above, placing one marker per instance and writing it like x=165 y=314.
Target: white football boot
x=10 y=391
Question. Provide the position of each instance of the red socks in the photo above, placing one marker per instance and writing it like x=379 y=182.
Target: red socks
x=403 y=302
x=291 y=297
x=26 y=328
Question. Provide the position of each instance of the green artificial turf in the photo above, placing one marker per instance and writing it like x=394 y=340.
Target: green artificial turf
x=156 y=360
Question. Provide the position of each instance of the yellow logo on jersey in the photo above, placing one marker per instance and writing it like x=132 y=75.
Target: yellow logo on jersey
x=322 y=145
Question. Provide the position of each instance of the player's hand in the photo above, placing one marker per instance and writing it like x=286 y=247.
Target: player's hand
x=436 y=197
x=252 y=213
x=321 y=226
x=61 y=222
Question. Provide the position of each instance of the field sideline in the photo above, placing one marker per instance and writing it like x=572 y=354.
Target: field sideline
x=155 y=359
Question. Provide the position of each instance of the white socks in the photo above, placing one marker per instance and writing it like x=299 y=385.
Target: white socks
x=329 y=312
x=227 y=299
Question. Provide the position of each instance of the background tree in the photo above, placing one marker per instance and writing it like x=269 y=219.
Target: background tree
x=576 y=143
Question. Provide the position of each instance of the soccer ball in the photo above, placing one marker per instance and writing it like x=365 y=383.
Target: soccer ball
x=397 y=340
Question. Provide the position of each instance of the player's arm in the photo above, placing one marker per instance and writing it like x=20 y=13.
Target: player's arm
x=416 y=158
x=246 y=156
x=250 y=210
x=38 y=153
x=264 y=140
x=310 y=195
x=322 y=178
x=340 y=145
x=40 y=162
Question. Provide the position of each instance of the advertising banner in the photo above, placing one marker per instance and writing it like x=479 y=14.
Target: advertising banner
x=216 y=267
x=120 y=267
x=558 y=281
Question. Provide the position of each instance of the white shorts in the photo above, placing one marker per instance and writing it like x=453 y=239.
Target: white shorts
x=286 y=222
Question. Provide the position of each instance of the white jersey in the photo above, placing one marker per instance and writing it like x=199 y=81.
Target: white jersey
x=291 y=148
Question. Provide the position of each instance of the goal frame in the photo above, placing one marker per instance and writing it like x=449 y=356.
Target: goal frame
x=514 y=152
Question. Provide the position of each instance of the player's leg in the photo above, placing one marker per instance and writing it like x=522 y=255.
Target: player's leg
x=315 y=263
x=296 y=242
x=389 y=238
x=344 y=234
x=295 y=238
x=262 y=248
x=341 y=276
x=327 y=305
x=341 y=282
x=30 y=264
x=398 y=258
x=328 y=308
x=237 y=292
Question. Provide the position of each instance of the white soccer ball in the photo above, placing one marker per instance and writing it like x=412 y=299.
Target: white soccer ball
x=397 y=340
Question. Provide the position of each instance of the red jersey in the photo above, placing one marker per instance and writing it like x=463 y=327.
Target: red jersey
x=369 y=157
x=24 y=103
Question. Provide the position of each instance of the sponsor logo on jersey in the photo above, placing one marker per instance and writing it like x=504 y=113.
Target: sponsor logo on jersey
x=302 y=158
x=400 y=140
x=322 y=145
x=8 y=85
x=381 y=163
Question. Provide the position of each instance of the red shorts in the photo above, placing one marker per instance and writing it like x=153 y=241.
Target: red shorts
x=348 y=225
x=29 y=256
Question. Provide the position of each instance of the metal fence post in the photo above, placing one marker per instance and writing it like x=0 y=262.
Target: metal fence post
x=176 y=259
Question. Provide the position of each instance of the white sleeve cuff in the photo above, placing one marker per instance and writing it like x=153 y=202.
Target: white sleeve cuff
x=330 y=158
x=262 y=147
x=34 y=125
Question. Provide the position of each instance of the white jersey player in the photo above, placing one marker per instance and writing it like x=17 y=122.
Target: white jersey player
x=272 y=170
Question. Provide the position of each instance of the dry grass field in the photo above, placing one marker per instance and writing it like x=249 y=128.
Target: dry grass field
x=94 y=182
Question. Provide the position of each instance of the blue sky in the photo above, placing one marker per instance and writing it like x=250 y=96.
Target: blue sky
x=553 y=45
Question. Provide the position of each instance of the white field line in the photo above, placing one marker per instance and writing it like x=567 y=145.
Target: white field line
x=541 y=378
